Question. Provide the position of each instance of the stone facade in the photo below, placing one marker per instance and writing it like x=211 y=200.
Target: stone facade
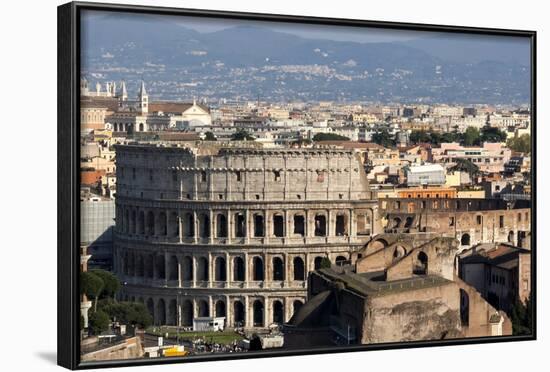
x=234 y=232
x=471 y=221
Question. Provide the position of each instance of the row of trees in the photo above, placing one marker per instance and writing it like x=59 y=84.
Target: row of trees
x=472 y=136
x=101 y=287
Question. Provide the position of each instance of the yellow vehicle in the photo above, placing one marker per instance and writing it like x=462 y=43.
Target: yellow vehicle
x=175 y=351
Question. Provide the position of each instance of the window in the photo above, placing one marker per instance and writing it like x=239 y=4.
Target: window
x=277 y=175
x=479 y=219
x=519 y=217
x=451 y=221
x=203 y=176
x=174 y=176
x=501 y=222
x=320 y=176
x=134 y=173
x=151 y=175
x=238 y=174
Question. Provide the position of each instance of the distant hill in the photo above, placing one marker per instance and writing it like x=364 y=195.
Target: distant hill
x=251 y=60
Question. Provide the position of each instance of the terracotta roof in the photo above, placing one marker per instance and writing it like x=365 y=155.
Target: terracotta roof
x=353 y=144
x=109 y=103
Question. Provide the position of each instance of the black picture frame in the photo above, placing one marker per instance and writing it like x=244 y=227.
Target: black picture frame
x=68 y=213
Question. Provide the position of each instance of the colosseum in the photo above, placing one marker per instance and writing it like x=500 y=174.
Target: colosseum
x=233 y=232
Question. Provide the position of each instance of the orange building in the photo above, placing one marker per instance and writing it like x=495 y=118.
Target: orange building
x=431 y=192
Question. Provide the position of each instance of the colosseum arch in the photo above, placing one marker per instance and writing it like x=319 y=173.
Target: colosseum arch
x=140 y=266
x=465 y=239
x=399 y=252
x=133 y=223
x=141 y=128
x=151 y=307
x=187 y=313
x=160 y=266
x=278 y=312
x=221 y=226
x=259 y=228
x=298 y=269
x=258 y=268
x=320 y=224
x=173 y=268
x=278 y=269
x=173 y=224
x=317 y=262
x=150 y=224
x=238 y=314
x=278 y=225
x=187 y=269
x=141 y=223
x=172 y=313
x=132 y=264
x=203 y=308
x=202 y=269
x=408 y=222
x=238 y=269
x=125 y=259
x=161 y=224
x=340 y=228
x=240 y=225
x=299 y=225
x=258 y=313
x=421 y=264
x=126 y=221
x=189 y=225
x=149 y=266
x=204 y=226
x=340 y=260
x=220 y=273
x=220 y=308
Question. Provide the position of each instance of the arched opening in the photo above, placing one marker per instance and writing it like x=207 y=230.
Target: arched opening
x=150 y=224
x=173 y=268
x=204 y=222
x=341 y=225
x=317 y=262
x=189 y=225
x=296 y=306
x=132 y=264
x=125 y=269
x=173 y=224
x=408 y=222
x=258 y=268
x=151 y=307
x=240 y=224
x=140 y=267
x=238 y=269
x=126 y=221
x=220 y=269
x=221 y=226
x=220 y=309
x=340 y=260
x=161 y=312
x=141 y=223
x=202 y=269
x=162 y=224
x=396 y=222
x=278 y=226
x=204 y=311
x=299 y=225
x=421 y=264
x=149 y=264
x=465 y=239
x=278 y=312
x=238 y=314
x=320 y=225
x=464 y=308
x=187 y=313
x=258 y=313
x=511 y=237
x=141 y=127
x=187 y=269
x=161 y=268
x=298 y=268
x=399 y=252
x=133 y=223
x=172 y=313
x=258 y=225
x=278 y=269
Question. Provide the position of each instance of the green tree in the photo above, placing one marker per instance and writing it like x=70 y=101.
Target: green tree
x=471 y=137
x=450 y=137
x=111 y=284
x=522 y=317
x=325 y=263
x=242 y=135
x=209 y=136
x=419 y=136
x=465 y=165
x=329 y=137
x=134 y=313
x=520 y=144
x=435 y=138
x=91 y=285
x=383 y=138
x=98 y=321
x=492 y=134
